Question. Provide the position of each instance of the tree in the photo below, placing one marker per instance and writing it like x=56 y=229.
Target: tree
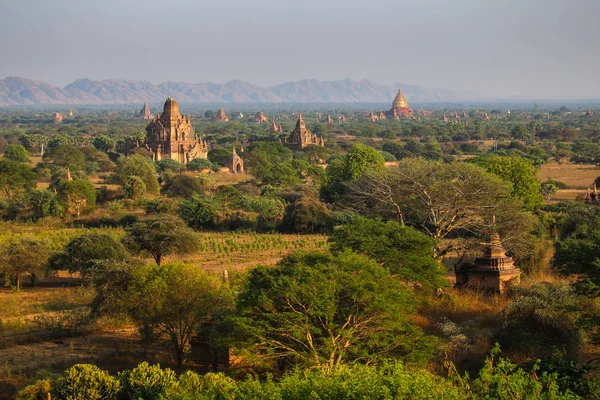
x=66 y=156
x=520 y=173
x=403 y=251
x=198 y=164
x=44 y=203
x=440 y=199
x=137 y=165
x=182 y=186
x=134 y=187
x=78 y=196
x=23 y=256
x=174 y=298
x=324 y=310
x=198 y=211
x=168 y=164
x=348 y=169
x=104 y=143
x=16 y=178
x=16 y=152
x=85 y=253
x=160 y=236
x=578 y=247
x=307 y=215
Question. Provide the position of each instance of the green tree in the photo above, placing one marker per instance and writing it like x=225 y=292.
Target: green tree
x=44 y=203
x=198 y=211
x=341 y=172
x=174 y=298
x=520 y=173
x=134 y=187
x=168 y=164
x=403 y=251
x=442 y=199
x=578 y=247
x=16 y=178
x=324 y=310
x=85 y=253
x=23 y=256
x=182 y=186
x=160 y=236
x=66 y=156
x=78 y=196
x=104 y=143
x=16 y=152
x=137 y=165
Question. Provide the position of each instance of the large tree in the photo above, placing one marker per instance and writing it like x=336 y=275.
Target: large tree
x=137 y=165
x=342 y=171
x=325 y=310
x=16 y=178
x=160 y=236
x=16 y=152
x=441 y=199
x=403 y=251
x=172 y=300
x=85 y=253
x=22 y=256
x=78 y=196
x=520 y=173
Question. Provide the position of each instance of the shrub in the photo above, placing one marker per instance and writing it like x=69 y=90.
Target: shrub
x=86 y=382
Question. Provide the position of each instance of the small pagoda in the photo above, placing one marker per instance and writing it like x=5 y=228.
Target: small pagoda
x=221 y=116
x=493 y=271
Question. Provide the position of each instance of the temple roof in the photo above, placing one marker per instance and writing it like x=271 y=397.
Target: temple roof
x=171 y=108
x=400 y=100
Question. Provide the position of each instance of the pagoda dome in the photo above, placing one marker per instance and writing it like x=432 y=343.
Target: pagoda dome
x=400 y=101
x=171 y=107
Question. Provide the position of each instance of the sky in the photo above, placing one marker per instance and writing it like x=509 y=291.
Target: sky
x=498 y=48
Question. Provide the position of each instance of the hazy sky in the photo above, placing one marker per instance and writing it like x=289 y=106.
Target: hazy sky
x=503 y=48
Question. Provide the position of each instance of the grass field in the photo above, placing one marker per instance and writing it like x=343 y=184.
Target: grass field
x=576 y=176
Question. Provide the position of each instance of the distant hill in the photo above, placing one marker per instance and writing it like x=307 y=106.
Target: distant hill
x=21 y=91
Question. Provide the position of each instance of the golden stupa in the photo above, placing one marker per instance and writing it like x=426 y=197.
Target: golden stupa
x=400 y=107
x=400 y=100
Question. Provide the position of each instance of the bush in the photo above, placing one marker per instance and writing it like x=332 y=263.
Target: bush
x=86 y=382
x=148 y=382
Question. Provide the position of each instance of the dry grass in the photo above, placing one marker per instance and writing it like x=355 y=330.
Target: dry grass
x=576 y=176
x=31 y=301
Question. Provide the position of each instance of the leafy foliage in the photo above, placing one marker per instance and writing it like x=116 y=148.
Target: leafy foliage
x=404 y=251
x=160 y=236
x=324 y=310
x=16 y=152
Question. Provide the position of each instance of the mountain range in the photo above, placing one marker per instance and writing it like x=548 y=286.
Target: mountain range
x=21 y=91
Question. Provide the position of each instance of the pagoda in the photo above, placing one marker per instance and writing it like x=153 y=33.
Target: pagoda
x=400 y=107
x=301 y=137
x=221 y=116
x=145 y=112
x=170 y=135
x=261 y=117
x=493 y=271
